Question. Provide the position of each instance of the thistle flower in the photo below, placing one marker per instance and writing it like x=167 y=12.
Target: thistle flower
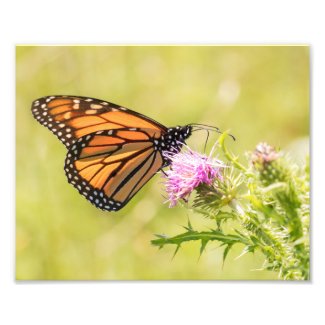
x=188 y=170
x=264 y=154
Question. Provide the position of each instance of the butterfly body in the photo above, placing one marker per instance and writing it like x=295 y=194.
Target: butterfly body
x=112 y=151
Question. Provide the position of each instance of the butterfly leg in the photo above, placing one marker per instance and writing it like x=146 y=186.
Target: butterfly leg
x=164 y=172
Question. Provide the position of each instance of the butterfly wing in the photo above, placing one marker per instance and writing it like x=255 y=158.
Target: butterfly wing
x=72 y=117
x=109 y=167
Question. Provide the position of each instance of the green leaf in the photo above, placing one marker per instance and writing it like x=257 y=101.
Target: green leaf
x=203 y=245
x=225 y=252
x=176 y=250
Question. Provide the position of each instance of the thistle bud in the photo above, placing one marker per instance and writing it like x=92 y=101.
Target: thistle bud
x=266 y=161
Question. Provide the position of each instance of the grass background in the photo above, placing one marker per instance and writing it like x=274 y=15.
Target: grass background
x=260 y=93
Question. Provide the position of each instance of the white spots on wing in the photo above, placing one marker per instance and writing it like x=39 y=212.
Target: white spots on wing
x=76 y=101
x=61 y=125
x=110 y=132
x=90 y=111
x=95 y=196
x=43 y=105
x=88 y=100
x=104 y=103
x=96 y=106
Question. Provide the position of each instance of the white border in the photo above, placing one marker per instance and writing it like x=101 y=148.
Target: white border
x=165 y=22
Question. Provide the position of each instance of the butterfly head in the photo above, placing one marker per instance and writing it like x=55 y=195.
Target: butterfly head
x=175 y=137
x=180 y=132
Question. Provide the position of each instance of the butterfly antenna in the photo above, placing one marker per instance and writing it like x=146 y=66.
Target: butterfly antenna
x=206 y=141
x=197 y=127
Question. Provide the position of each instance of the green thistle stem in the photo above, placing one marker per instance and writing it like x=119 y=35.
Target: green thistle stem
x=228 y=155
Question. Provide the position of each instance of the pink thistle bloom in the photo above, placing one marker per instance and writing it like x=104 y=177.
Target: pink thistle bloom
x=187 y=171
x=264 y=154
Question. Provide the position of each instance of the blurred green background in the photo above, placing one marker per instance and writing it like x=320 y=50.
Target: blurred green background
x=260 y=93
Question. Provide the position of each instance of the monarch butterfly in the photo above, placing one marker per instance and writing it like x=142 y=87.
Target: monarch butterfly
x=112 y=151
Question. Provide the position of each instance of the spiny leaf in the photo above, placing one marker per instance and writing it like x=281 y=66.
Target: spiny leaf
x=161 y=235
x=203 y=245
x=225 y=253
x=176 y=250
x=204 y=237
x=189 y=226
